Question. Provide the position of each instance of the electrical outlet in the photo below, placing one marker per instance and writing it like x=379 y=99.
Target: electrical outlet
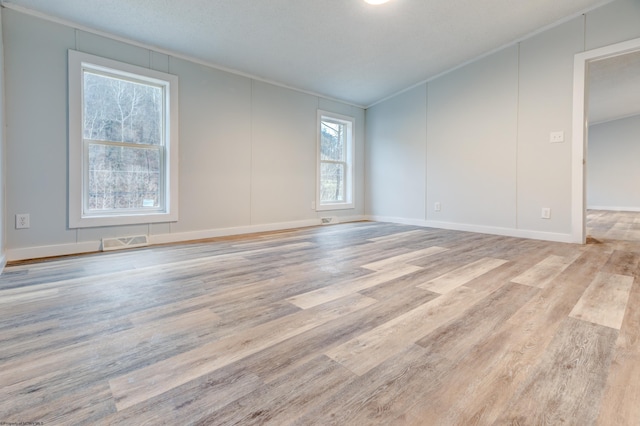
x=436 y=206
x=22 y=221
x=313 y=205
x=546 y=213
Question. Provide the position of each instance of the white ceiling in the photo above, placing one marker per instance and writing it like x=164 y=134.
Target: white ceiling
x=342 y=49
x=614 y=88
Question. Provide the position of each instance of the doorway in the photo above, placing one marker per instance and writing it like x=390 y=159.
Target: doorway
x=613 y=148
x=581 y=117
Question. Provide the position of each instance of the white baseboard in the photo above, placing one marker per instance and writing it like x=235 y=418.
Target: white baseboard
x=3 y=262
x=348 y=219
x=94 y=246
x=614 y=208
x=481 y=229
x=52 y=250
x=225 y=232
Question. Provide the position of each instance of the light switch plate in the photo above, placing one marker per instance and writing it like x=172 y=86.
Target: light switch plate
x=546 y=213
x=556 y=137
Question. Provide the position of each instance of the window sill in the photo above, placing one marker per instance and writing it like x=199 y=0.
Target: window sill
x=341 y=206
x=97 y=221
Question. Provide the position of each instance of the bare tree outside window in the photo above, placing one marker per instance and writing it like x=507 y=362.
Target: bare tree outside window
x=122 y=130
x=332 y=161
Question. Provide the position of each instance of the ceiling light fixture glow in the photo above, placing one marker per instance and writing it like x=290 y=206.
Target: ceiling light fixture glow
x=376 y=1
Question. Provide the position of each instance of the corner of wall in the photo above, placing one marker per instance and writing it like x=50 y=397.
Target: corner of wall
x=3 y=220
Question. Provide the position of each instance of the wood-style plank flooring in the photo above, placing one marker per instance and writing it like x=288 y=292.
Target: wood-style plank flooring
x=350 y=324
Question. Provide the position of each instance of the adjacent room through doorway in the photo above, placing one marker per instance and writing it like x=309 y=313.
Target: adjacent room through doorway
x=613 y=148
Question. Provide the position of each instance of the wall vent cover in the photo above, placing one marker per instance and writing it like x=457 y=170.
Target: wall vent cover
x=120 y=243
x=329 y=220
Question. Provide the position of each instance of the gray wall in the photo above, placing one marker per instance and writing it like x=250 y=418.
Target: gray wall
x=462 y=170
x=395 y=172
x=485 y=154
x=247 y=148
x=613 y=169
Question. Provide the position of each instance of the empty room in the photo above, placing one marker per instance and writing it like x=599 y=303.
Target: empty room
x=335 y=212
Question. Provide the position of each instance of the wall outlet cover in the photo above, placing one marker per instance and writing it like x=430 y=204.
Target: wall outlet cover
x=23 y=221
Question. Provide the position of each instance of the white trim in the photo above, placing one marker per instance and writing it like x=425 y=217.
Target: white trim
x=52 y=250
x=399 y=220
x=352 y=218
x=615 y=208
x=158 y=49
x=94 y=246
x=334 y=207
x=480 y=229
x=3 y=263
x=580 y=128
x=224 y=232
x=77 y=218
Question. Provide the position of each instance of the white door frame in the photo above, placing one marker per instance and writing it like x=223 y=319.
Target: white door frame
x=580 y=128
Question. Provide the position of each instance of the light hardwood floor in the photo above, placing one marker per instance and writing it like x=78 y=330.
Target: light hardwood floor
x=350 y=324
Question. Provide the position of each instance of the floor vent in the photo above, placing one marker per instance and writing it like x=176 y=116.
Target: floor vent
x=120 y=243
x=329 y=220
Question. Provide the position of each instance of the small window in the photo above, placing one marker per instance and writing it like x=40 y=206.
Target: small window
x=335 y=161
x=123 y=143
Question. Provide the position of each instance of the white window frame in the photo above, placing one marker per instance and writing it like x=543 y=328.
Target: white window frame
x=349 y=168
x=79 y=217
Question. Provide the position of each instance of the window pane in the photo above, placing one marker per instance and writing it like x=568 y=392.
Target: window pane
x=118 y=110
x=332 y=140
x=332 y=182
x=123 y=177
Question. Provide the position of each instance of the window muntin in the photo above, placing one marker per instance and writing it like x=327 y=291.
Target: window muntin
x=335 y=161
x=122 y=144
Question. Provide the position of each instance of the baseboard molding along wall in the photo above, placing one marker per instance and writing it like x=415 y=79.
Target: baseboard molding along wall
x=3 y=262
x=480 y=229
x=94 y=246
x=615 y=209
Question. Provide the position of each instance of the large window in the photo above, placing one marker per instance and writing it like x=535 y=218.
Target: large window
x=335 y=161
x=122 y=143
